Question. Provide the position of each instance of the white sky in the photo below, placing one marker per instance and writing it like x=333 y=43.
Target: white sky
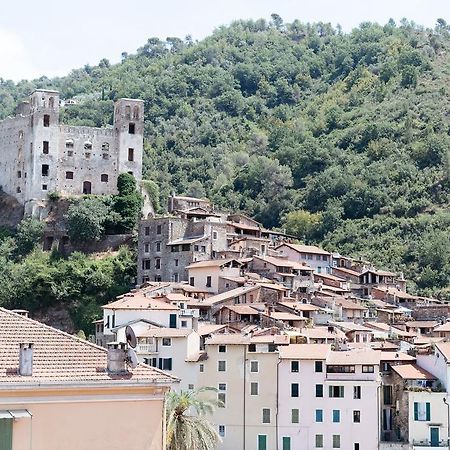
x=51 y=37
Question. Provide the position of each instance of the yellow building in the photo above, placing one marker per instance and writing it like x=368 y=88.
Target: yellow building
x=58 y=392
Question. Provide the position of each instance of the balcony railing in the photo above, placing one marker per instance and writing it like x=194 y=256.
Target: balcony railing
x=428 y=443
x=147 y=348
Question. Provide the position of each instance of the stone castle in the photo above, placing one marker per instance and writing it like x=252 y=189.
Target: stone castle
x=39 y=156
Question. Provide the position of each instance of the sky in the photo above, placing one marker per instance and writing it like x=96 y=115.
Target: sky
x=51 y=37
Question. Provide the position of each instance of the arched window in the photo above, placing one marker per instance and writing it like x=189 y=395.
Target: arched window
x=69 y=143
x=105 y=146
x=88 y=145
x=136 y=113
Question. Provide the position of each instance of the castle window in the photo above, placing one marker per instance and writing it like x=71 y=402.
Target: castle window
x=19 y=174
x=105 y=146
x=131 y=128
x=69 y=175
x=105 y=155
x=88 y=145
x=69 y=152
x=45 y=147
x=46 y=120
x=104 y=177
x=69 y=143
x=87 y=155
x=136 y=113
x=18 y=190
x=21 y=134
x=45 y=169
x=44 y=187
x=131 y=154
x=51 y=102
x=127 y=112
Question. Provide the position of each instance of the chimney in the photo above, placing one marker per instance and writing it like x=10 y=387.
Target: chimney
x=26 y=360
x=117 y=356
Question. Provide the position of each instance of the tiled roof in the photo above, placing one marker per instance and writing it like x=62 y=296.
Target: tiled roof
x=59 y=357
x=412 y=372
x=306 y=249
x=357 y=356
x=138 y=301
x=305 y=351
x=210 y=263
x=396 y=356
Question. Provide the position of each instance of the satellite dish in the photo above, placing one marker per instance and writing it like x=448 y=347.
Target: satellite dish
x=132 y=358
x=130 y=337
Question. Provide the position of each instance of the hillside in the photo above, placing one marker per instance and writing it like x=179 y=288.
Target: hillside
x=271 y=118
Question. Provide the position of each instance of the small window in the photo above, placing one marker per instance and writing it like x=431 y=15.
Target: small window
x=166 y=342
x=45 y=170
x=104 y=177
x=145 y=264
x=356 y=392
x=336 y=416
x=252 y=348
x=44 y=187
x=222 y=348
x=21 y=134
x=191 y=387
x=286 y=443
x=295 y=415
x=221 y=366
x=131 y=128
x=45 y=147
x=131 y=154
x=176 y=263
x=319 y=415
x=222 y=397
x=192 y=281
x=158 y=246
x=368 y=369
x=319 y=390
x=19 y=174
x=87 y=155
x=253 y=388
x=336 y=391
x=158 y=229
x=266 y=415
x=69 y=143
x=69 y=152
x=88 y=145
x=201 y=368
x=136 y=113
x=222 y=431
x=157 y=263
x=208 y=281
x=254 y=366
x=146 y=247
x=319 y=440
x=357 y=416
x=105 y=147
x=318 y=365
x=69 y=175
x=147 y=231
x=184 y=324
x=294 y=390
x=272 y=347
x=215 y=235
x=46 y=120
x=336 y=441
x=294 y=366
x=105 y=156
x=18 y=190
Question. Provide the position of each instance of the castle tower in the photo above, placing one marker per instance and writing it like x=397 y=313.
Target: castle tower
x=129 y=126
x=43 y=145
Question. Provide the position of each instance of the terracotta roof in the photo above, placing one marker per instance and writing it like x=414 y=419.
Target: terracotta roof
x=396 y=356
x=327 y=276
x=204 y=330
x=283 y=262
x=176 y=297
x=165 y=332
x=305 y=351
x=357 y=356
x=321 y=332
x=214 y=299
x=444 y=327
x=412 y=372
x=60 y=358
x=348 y=271
x=241 y=309
x=240 y=339
x=379 y=272
x=351 y=326
x=273 y=286
x=182 y=241
x=210 y=263
x=444 y=348
x=300 y=306
x=138 y=301
x=306 y=249
x=421 y=323
x=276 y=315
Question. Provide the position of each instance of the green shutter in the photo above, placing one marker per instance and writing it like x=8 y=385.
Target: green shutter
x=286 y=443
x=6 y=434
x=262 y=442
x=416 y=411
x=428 y=411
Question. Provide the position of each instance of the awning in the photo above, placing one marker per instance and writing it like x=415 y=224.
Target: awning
x=15 y=414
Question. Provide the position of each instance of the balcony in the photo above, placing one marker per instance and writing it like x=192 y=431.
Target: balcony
x=423 y=444
x=189 y=313
x=146 y=349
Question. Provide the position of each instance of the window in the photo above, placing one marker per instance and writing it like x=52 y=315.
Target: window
x=45 y=147
x=215 y=235
x=262 y=442
x=191 y=281
x=336 y=441
x=272 y=348
x=44 y=187
x=166 y=363
x=6 y=430
x=45 y=170
x=158 y=229
x=222 y=387
x=69 y=143
x=131 y=154
x=145 y=264
x=196 y=248
x=336 y=391
x=286 y=443
x=208 y=281
x=176 y=263
x=294 y=390
x=253 y=388
x=166 y=342
x=252 y=348
x=46 y=120
x=158 y=263
x=357 y=416
x=367 y=369
x=69 y=152
x=221 y=366
x=18 y=190
x=131 y=128
x=254 y=366
x=158 y=246
x=190 y=387
x=340 y=369
x=422 y=411
x=336 y=416
x=69 y=175
x=266 y=415
x=222 y=348
x=222 y=397
x=146 y=247
x=222 y=431
x=357 y=392
x=105 y=147
x=203 y=248
x=88 y=145
x=147 y=231
x=319 y=390
x=319 y=440
x=356 y=447
x=184 y=324
x=295 y=416
x=104 y=177
x=294 y=366
x=318 y=366
x=19 y=174
x=136 y=112
x=387 y=395
x=201 y=368
x=319 y=415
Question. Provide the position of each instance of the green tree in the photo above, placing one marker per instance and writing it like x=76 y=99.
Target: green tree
x=186 y=431
x=128 y=202
x=302 y=224
x=29 y=234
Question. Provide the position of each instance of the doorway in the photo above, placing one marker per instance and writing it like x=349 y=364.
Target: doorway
x=87 y=186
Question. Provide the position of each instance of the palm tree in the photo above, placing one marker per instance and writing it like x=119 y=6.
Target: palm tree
x=187 y=431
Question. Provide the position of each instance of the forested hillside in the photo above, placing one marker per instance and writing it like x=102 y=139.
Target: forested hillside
x=340 y=138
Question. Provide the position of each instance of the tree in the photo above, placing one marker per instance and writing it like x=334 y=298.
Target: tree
x=186 y=431
x=29 y=234
x=128 y=202
x=302 y=224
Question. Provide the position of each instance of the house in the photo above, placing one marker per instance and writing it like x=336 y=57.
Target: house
x=237 y=313
x=425 y=327
x=371 y=278
x=442 y=330
x=344 y=308
x=61 y=392
x=315 y=257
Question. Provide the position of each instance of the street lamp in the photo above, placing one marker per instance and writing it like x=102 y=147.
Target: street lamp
x=448 y=420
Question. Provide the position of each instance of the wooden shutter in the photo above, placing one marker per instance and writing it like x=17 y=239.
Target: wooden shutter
x=428 y=411
x=286 y=443
x=6 y=434
x=262 y=442
x=416 y=411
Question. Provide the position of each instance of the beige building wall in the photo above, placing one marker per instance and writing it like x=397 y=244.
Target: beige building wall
x=83 y=420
